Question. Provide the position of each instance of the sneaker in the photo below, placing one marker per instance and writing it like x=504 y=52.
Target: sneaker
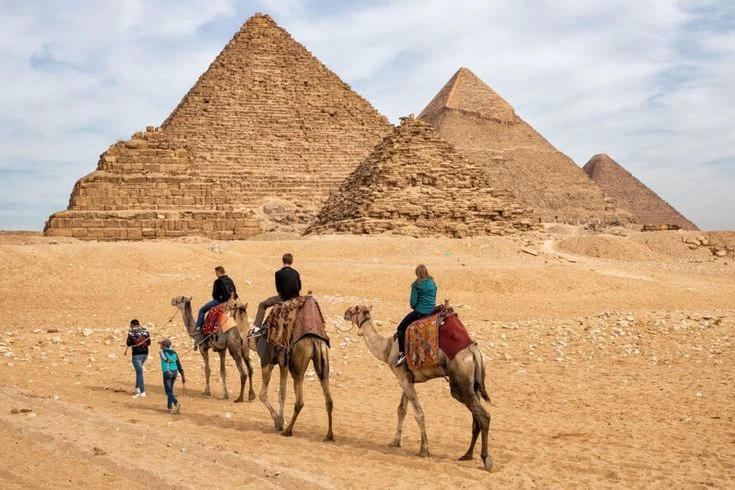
x=139 y=395
x=401 y=359
x=256 y=332
x=176 y=409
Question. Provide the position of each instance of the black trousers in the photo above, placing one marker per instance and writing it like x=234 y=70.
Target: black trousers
x=408 y=320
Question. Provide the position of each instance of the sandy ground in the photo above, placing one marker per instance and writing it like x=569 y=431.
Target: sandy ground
x=609 y=362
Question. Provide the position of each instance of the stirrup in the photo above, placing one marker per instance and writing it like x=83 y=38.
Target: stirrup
x=401 y=360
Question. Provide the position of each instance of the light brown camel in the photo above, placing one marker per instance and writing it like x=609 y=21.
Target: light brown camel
x=466 y=375
x=308 y=348
x=233 y=343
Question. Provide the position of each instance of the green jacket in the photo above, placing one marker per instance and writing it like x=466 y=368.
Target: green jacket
x=423 y=296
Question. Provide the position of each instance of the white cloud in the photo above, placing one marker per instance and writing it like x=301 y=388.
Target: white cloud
x=646 y=82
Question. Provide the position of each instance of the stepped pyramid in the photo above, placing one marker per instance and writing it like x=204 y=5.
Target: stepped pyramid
x=633 y=195
x=260 y=139
x=415 y=183
x=484 y=127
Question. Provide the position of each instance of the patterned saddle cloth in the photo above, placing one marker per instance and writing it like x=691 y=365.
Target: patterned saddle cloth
x=443 y=330
x=219 y=318
x=289 y=321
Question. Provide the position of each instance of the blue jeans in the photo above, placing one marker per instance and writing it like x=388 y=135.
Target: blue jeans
x=169 y=378
x=138 y=361
x=203 y=311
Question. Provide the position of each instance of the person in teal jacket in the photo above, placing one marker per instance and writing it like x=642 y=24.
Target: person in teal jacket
x=423 y=300
x=171 y=366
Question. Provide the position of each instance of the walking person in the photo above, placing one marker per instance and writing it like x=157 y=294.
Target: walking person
x=288 y=286
x=139 y=339
x=171 y=366
x=423 y=300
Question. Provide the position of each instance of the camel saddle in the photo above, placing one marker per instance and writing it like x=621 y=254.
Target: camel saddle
x=442 y=329
x=291 y=320
x=219 y=318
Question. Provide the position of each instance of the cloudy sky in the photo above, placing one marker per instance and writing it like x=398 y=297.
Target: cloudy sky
x=651 y=83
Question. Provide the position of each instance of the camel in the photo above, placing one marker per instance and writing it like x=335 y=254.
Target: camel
x=233 y=343
x=308 y=348
x=466 y=375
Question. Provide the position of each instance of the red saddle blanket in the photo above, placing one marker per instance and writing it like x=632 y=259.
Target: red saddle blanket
x=218 y=317
x=440 y=330
x=289 y=321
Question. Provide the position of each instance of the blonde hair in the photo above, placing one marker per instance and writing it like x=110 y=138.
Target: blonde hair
x=422 y=273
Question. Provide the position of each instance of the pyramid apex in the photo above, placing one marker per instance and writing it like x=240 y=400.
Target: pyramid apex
x=467 y=93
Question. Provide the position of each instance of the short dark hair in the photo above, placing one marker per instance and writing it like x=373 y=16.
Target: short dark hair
x=220 y=269
x=287 y=259
x=135 y=322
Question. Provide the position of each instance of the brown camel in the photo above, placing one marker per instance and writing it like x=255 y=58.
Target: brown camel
x=466 y=374
x=231 y=342
x=308 y=348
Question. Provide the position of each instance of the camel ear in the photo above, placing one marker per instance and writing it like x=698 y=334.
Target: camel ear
x=245 y=305
x=370 y=308
x=188 y=298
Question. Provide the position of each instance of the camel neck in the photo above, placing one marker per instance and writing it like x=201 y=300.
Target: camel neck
x=378 y=345
x=189 y=322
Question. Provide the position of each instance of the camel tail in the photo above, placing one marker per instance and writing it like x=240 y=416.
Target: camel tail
x=321 y=360
x=479 y=373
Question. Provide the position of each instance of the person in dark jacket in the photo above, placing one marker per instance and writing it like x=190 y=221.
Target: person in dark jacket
x=423 y=300
x=288 y=285
x=223 y=290
x=171 y=366
x=139 y=339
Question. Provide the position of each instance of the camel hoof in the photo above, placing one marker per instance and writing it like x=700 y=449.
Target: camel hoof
x=424 y=453
x=329 y=438
x=394 y=443
x=226 y=397
x=488 y=461
x=206 y=393
x=251 y=396
x=467 y=457
x=239 y=400
x=287 y=433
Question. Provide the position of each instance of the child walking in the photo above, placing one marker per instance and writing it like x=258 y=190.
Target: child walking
x=171 y=366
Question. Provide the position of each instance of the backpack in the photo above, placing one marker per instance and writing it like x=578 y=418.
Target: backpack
x=169 y=360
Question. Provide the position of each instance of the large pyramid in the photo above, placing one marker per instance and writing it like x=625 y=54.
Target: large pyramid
x=415 y=183
x=633 y=195
x=260 y=139
x=483 y=126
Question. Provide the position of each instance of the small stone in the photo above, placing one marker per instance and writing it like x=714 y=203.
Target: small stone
x=56 y=339
x=228 y=415
x=87 y=332
x=52 y=330
x=112 y=356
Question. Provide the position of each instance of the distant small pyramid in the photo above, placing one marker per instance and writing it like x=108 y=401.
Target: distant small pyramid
x=415 y=183
x=484 y=127
x=633 y=195
x=257 y=143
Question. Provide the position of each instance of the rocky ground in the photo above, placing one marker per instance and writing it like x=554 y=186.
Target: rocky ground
x=609 y=358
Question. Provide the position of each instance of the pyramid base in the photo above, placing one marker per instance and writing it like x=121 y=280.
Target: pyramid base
x=152 y=224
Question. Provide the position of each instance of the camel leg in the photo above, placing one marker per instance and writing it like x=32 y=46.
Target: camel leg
x=480 y=421
x=298 y=385
x=409 y=390
x=237 y=356
x=282 y=396
x=301 y=354
x=207 y=370
x=402 y=408
x=222 y=374
x=321 y=366
x=249 y=367
x=266 y=372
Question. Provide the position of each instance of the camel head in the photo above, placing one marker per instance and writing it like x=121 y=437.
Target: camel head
x=239 y=312
x=358 y=315
x=180 y=301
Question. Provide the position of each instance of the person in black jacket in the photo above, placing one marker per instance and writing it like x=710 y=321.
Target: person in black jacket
x=288 y=285
x=139 y=339
x=223 y=290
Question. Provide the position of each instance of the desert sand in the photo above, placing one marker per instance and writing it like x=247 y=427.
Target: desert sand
x=609 y=363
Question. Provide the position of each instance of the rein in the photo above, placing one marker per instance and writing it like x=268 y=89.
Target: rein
x=141 y=343
x=353 y=322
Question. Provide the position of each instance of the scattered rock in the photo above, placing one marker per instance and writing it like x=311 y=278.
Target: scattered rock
x=16 y=411
x=56 y=339
x=87 y=332
x=52 y=330
x=112 y=356
x=99 y=451
x=529 y=251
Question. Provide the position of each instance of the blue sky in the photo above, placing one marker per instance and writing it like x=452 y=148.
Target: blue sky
x=651 y=83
